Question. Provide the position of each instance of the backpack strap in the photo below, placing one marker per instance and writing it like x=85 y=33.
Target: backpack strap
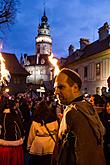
x=49 y=131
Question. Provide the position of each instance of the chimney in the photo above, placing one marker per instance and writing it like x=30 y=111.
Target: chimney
x=84 y=42
x=25 y=55
x=103 y=31
x=71 y=50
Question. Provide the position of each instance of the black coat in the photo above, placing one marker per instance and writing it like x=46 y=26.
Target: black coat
x=10 y=126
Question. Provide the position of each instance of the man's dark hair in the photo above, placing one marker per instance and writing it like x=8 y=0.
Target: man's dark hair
x=73 y=77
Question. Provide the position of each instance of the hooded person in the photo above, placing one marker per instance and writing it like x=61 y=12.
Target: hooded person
x=80 y=137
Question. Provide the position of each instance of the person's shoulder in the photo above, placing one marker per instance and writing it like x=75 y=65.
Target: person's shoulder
x=52 y=123
x=71 y=111
x=83 y=103
x=35 y=124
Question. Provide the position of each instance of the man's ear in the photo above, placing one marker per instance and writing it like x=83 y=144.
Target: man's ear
x=75 y=88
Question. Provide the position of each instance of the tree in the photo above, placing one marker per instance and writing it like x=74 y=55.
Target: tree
x=8 y=10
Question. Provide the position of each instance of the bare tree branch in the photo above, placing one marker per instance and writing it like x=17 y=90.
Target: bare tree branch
x=8 y=10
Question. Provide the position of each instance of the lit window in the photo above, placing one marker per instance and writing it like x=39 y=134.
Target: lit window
x=97 y=69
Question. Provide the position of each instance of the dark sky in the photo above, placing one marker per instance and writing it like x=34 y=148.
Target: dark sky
x=69 y=21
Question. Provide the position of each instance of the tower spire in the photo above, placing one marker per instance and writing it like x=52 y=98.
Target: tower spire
x=44 y=8
x=43 y=39
x=44 y=17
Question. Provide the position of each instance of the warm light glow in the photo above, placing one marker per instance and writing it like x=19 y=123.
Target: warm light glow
x=7 y=90
x=4 y=73
x=54 y=62
x=44 y=39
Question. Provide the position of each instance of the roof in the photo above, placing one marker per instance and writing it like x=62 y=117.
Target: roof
x=12 y=64
x=91 y=49
x=33 y=58
x=97 y=47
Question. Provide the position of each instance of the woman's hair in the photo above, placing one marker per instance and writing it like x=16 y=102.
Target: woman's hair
x=98 y=100
x=43 y=113
x=107 y=101
x=105 y=108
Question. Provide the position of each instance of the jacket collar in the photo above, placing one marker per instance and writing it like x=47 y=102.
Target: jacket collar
x=80 y=98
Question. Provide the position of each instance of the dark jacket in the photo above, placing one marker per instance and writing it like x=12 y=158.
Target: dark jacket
x=10 y=126
x=87 y=147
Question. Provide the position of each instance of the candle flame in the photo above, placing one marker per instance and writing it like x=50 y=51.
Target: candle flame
x=54 y=62
x=4 y=73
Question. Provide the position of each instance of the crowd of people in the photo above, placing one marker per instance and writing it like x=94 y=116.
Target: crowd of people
x=65 y=128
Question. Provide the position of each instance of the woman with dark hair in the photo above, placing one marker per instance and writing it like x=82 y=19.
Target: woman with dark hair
x=11 y=133
x=98 y=104
x=42 y=135
x=106 y=123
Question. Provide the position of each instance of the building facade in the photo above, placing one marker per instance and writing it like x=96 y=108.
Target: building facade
x=38 y=65
x=91 y=61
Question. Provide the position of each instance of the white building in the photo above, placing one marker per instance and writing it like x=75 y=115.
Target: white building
x=38 y=65
x=91 y=61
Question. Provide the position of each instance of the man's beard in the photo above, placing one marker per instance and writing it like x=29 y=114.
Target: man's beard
x=62 y=100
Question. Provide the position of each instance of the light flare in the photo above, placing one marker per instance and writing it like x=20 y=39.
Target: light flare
x=54 y=62
x=4 y=73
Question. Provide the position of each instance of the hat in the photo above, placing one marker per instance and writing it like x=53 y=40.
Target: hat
x=74 y=76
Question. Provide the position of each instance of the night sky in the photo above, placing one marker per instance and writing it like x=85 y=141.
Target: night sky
x=69 y=21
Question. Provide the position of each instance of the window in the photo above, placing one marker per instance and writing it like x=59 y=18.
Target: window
x=16 y=80
x=85 y=90
x=31 y=72
x=85 y=71
x=97 y=69
x=42 y=71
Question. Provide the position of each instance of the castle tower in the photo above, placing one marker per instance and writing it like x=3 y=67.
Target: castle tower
x=38 y=65
x=43 y=41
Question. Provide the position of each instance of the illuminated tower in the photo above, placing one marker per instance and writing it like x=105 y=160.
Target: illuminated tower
x=43 y=41
x=38 y=65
